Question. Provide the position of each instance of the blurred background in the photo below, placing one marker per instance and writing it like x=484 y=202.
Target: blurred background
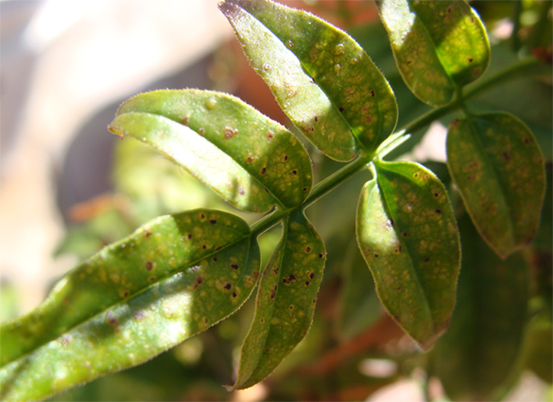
x=69 y=187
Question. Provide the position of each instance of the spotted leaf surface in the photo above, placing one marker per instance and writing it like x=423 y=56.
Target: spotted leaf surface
x=170 y=280
x=477 y=353
x=499 y=170
x=251 y=161
x=407 y=234
x=285 y=301
x=323 y=80
x=438 y=45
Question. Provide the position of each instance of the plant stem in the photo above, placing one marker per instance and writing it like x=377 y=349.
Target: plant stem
x=517 y=10
x=520 y=68
x=516 y=69
x=330 y=183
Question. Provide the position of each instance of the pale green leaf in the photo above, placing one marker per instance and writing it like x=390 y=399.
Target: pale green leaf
x=439 y=46
x=407 y=234
x=323 y=80
x=169 y=280
x=285 y=301
x=499 y=171
x=251 y=161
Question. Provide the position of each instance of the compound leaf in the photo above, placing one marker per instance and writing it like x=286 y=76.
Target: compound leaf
x=251 y=161
x=407 y=234
x=476 y=355
x=323 y=80
x=439 y=46
x=285 y=301
x=499 y=170
x=169 y=280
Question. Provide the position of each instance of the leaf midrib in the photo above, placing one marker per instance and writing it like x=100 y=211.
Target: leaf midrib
x=412 y=266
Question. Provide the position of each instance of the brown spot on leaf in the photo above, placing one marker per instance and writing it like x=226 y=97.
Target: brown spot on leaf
x=147 y=234
x=199 y=280
x=341 y=109
x=438 y=211
x=263 y=170
x=234 y=266
x=228 y=286
x=149 y=265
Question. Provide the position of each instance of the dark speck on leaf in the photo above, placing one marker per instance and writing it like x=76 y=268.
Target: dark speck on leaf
x=228 y=286
x=234 y=294
x=321 y=255
x=149 y=265
x=234 y=266
x=438 y=211
x=341 y=109
x=213 y=221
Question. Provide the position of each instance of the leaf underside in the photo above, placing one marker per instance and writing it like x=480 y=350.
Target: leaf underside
x=407 y=234
x=323 y=80
x=285 y=301
x=173 y=278
x=498 y=167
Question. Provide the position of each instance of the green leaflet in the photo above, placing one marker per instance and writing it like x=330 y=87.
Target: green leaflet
x=439 y=46
x=407 y=234
x=323 y=80
x=498 y=167
x=478 y=351
x=169 y=280
x=251 y=161
x=285 y=301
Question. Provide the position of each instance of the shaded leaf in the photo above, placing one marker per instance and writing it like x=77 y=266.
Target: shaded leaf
x=407 y=234
x=538 y=347
x=439 y=46
x=171 y=279
x=323 y=80
x=499 y=170
x=251 y=161
x=359 y=306
x=476 y=355
x=285 y=301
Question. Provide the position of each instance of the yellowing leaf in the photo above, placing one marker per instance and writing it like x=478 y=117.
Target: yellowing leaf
x=407 y=234
x=439 y=46
x=323 y=80
x=171 y=279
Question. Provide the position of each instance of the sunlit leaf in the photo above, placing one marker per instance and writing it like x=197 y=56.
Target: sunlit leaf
x=499 y=170
x=408 y=236
x=171 y=279
x=251 y=161
x=323 y=80
x=439 y=46
x=475 y=356
x=285 y=301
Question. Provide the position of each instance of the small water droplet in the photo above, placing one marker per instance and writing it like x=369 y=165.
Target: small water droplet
x=290 y=44
x=337 y=68
x=210 y=103
x=339 y=49
x=354 y=61
x=266 y=66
